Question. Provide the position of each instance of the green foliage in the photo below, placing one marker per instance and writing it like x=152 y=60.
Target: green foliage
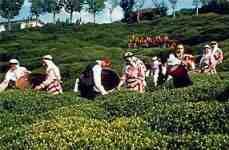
x=161 y=7
x=38 y=7
x=162 y=119
x=94 y=6
x=10 y=9
x=52 y=6
x=129 y=104
x=42 y=6
x=127 y=6
x=71 y=6
x=194 y=117
x=217 y=6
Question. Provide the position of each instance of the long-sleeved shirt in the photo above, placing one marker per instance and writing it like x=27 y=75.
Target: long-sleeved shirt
x=52 y=82
x=206 y=60
x=13 y=75
x=173 y=60
x=52 y=74
x=155 y=65
x=97 y=73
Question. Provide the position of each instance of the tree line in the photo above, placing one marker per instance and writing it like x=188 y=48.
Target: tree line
x=11 y=8
x=160 y=6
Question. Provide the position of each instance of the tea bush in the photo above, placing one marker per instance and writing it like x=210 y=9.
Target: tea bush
x=130 y=103
x=194 y=117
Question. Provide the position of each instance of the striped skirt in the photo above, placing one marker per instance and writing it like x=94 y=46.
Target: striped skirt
x=55 y=87
x=135 y=84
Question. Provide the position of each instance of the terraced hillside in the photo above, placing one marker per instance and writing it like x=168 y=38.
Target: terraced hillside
x=196 y=117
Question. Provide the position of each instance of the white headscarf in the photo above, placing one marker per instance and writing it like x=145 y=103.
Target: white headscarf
x=52 y=66
x=16 y=62
x=135 y=61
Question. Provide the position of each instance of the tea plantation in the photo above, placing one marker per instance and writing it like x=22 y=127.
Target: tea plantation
x=195 y=117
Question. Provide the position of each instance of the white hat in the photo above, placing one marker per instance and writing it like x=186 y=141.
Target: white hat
x=154 y=58
x=13 y=61
x=213 y=42
x=49 y=57
x=207 y=46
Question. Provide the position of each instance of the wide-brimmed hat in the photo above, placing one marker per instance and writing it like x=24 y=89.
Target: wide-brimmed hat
x=48 y=57
x=13 y=61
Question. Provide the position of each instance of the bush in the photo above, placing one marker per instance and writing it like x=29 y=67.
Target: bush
x=188 y=117
x=131 y=103
x=194 y=117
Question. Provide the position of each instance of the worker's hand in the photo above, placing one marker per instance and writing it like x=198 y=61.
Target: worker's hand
x=118 y=88
x=104 y=93
x=183 y=63
x=120 y=85
x=110 y=90
x=37 y=88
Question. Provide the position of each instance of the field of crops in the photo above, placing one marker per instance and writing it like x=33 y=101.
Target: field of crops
x=195 y=117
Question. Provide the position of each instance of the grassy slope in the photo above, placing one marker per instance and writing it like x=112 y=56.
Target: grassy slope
x=180 y=118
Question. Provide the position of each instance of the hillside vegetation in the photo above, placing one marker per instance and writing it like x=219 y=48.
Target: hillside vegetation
x=195 y=117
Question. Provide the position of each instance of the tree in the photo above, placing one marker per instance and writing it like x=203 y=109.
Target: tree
x=72 y=6
x=37 y=8
x=112 y=5
x=127 y=6
x=94 y=6
x=53 y=6
x=173 y=3
x=9 y=9
x=138 y=5
x=217 y=6
x=205 y=2
x=156 y=3
x=45 y=6
x=197 y=3
x=161 y=7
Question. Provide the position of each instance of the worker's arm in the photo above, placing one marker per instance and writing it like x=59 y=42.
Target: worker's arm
x=97 y=73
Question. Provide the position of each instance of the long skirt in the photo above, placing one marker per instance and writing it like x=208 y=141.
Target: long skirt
x=135 y=84
x=55 y=87
x=180 y=76
x=87 y=91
